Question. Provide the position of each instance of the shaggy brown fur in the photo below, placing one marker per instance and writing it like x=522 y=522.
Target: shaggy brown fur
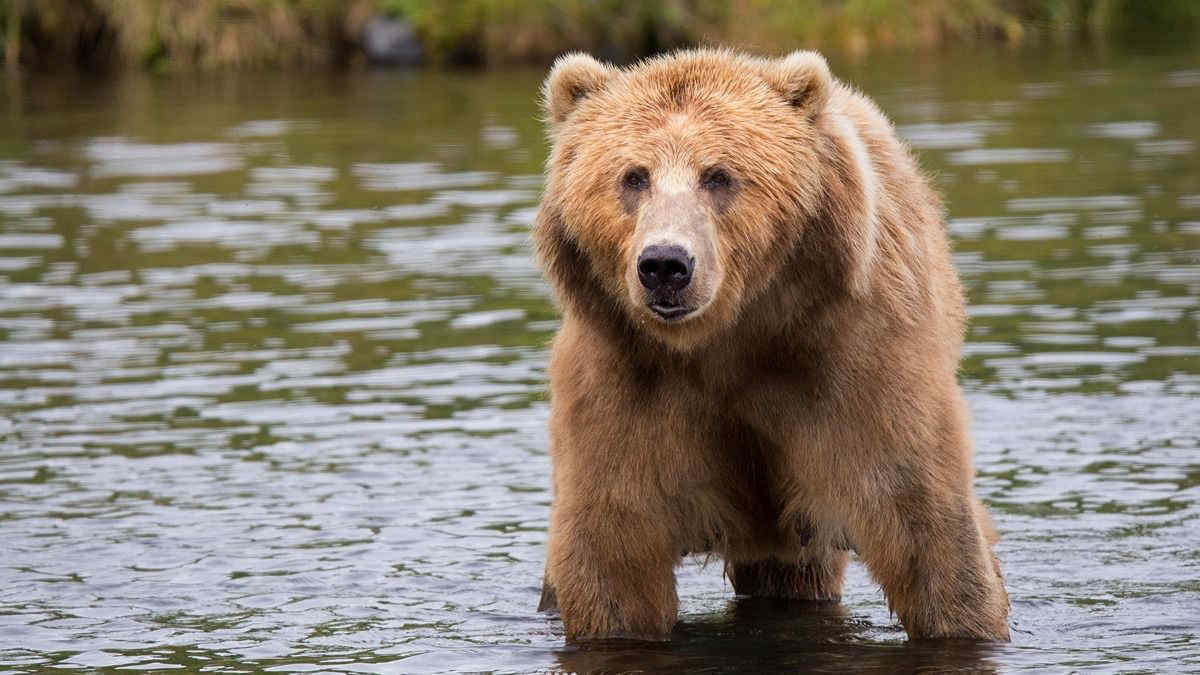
x=807 y=404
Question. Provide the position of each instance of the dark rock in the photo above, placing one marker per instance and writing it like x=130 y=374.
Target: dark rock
x=392 y=42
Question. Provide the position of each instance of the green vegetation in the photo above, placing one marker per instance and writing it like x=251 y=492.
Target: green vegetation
x=212 y=34
x=182 y=34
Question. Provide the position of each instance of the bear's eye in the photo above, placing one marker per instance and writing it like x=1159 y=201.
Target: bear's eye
x=636 y=179
x=715 y=179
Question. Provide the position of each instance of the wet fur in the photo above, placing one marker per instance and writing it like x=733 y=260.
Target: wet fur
x=812 y=406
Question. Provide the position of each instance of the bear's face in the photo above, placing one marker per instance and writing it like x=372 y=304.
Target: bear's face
x=677 y=189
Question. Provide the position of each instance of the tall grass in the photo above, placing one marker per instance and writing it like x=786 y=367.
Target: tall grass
x=212 y=34
x=861 y=25
x=191 y=34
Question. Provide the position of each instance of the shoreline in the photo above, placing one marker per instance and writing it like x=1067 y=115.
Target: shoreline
x=166 y=36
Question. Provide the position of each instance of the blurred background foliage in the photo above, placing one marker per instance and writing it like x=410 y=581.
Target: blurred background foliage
x=220 y=34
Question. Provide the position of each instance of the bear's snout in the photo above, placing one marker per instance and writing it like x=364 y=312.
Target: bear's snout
x=665 y=267
x=664 y=271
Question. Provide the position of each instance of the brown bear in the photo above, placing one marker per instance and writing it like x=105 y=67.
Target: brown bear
x=758 y=353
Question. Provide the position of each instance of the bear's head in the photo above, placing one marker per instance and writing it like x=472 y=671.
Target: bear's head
x=681 y=190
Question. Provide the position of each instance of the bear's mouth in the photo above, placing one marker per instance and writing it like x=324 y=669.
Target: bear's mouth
x=669 y=311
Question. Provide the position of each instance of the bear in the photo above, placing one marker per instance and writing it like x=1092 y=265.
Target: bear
x=758 y=351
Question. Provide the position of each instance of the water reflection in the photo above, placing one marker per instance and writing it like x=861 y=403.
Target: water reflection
x=271 y=378
x=754 y=635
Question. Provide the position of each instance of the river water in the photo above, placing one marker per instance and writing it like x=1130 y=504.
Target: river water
x=272 y=373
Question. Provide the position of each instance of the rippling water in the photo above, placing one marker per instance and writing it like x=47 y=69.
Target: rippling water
x=272 y=374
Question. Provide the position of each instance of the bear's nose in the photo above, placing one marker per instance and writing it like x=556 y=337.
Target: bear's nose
x=664 y=267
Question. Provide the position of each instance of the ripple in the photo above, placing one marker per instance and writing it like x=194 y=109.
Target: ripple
x=985 y=156
x=122 y=157
x=935 y=136
x=31 y=241
x=485 y=198
x=241 y=208
x=476 y=247
x=1183 y=78
x=1031 y=232
x=402 y=176
x=480 y=319
x=1173 y=146
x=1073 y=203
x=260 y=128
x=15 y=176
x=1135 y=130
x=231 y=233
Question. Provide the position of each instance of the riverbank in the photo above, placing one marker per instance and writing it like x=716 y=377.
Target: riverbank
x=165 y=35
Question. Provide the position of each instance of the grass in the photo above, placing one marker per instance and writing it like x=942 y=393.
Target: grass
x=182 y=34
x=223 y=34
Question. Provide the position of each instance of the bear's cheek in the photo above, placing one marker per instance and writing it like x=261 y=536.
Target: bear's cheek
x=602 y=234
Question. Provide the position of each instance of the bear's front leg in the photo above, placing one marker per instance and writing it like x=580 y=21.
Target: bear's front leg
x=611 y=571
x=933 y=558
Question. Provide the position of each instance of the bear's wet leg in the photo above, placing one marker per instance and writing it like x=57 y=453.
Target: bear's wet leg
x=611 y=574
x=816 y=575
x=549 y=600
x=935 y=564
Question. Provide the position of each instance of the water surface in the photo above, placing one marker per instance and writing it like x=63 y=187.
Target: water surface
x=272 y=374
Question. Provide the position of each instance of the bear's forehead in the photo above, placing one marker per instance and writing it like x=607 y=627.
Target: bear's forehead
x=674 y=84
x=684 y=96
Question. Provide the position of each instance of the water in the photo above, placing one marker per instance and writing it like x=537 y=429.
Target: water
x=273 y=358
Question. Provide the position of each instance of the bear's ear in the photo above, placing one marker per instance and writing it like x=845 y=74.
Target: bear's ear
x=802 y=78
x=573 y=78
